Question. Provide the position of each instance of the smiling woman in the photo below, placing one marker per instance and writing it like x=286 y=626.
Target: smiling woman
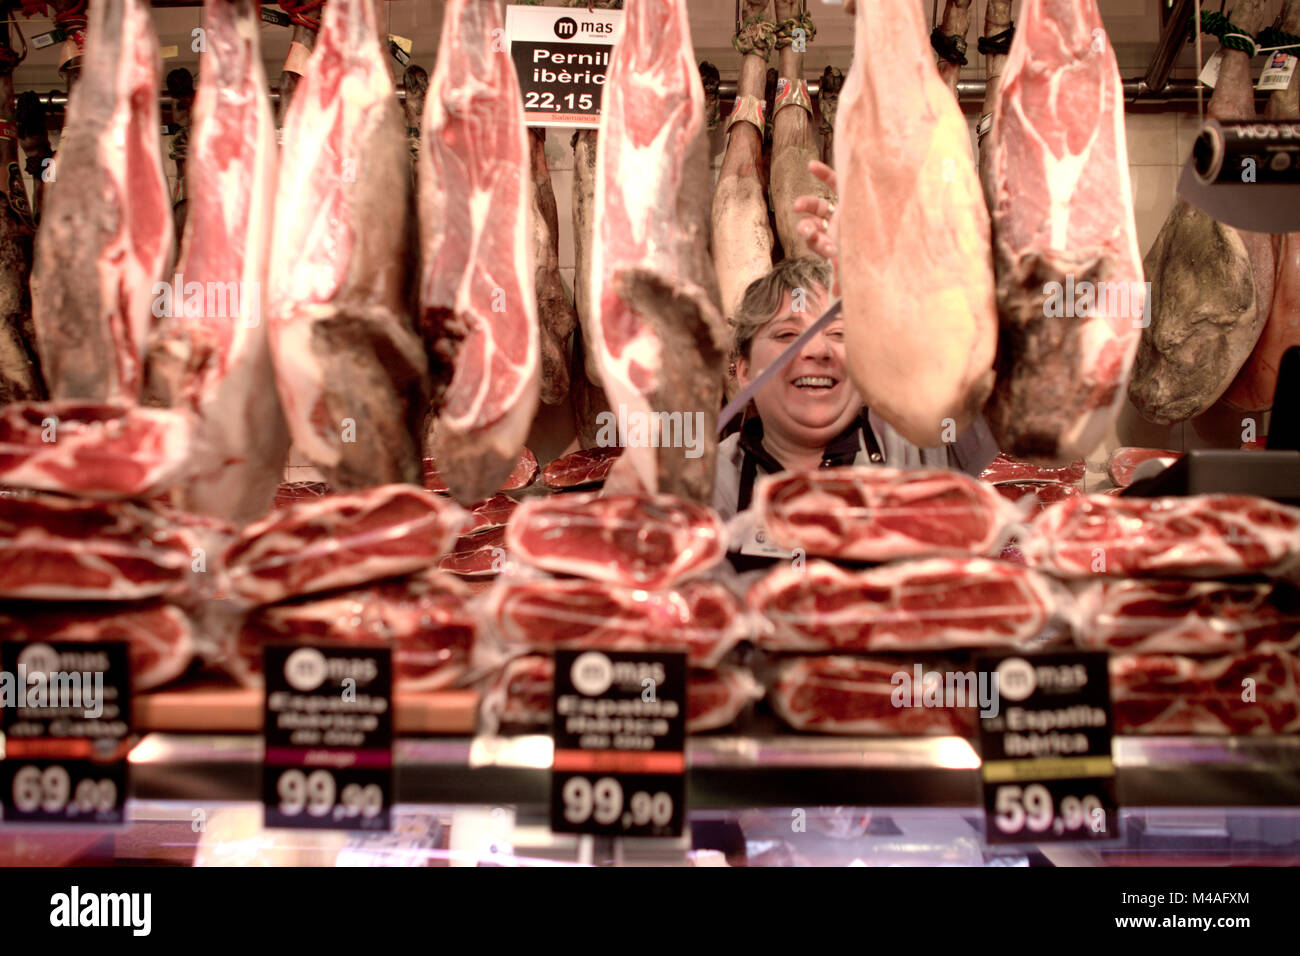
x=810 y=415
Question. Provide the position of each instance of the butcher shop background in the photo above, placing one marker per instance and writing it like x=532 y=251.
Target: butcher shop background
x=1159 y=139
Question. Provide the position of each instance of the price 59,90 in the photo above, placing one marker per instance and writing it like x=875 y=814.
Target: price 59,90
x=1032 y=807
x=317 y=793
x=48 y=791
x=602 y=801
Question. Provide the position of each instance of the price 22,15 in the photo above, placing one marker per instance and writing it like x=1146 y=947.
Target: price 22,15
x=581 y=102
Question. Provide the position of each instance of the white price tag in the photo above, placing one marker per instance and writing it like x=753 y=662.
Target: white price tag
x=1210 y=75
x=1277 y=73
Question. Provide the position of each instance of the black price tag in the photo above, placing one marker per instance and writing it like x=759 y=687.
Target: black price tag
x=1046 y=753
x=329 y=737
x=275 y=17
x=561 y=57
x=49 y=38
x=67 y=723
x=619 y=723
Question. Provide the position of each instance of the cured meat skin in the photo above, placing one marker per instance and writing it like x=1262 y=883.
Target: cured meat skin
x=64 y=549
x=584 y=467
x=424 y=618
x=1123 y=462
x=1188 y=617
x=920 y=350
x=1169 y=694
x=160 y=638
x=701 y=616
x=211 y=355
x=640 y=541
x=656 y=330
x=880 y=514
x=478 y=302
x=852 y=695
x=20 y=375
x=349 y=365
x=910 y=606
x=95 y=451
x=106 y=234
x=555 y=312
x=1203 y=536
x=521 y=694
x=1006 y=468
x=341 y=541
x=1211 y=284
x=1062 y=209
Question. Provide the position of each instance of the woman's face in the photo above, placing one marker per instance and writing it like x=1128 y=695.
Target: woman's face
x=812 y=399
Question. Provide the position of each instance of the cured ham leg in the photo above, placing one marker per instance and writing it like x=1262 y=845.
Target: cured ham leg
x=1211 y=284
x=555 y=312
x=211 y=355
x=1255 y=384
x=919 y=314
x=34 y=139
x=20 y=376
x=106 y=236
x=995 y=45
x=794 y=141
x=828 y=102
x=349 y=365
x=478 y=302
x=658 y=334
x=742 y=238
x=1062 y=220
x=952 y=32
x=305 y=15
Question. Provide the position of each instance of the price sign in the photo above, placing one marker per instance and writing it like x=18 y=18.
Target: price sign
x=66 y=720
x=619 y=724
x=1046 y=750
x=561 y=55
x=329 y=737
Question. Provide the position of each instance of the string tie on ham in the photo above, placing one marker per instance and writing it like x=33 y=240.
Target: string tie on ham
x=1232 y=37
x=1273 y=40
x=786 y=30
x=999 y=44
x=756 y=35
x=298 y=11
x=950 y=48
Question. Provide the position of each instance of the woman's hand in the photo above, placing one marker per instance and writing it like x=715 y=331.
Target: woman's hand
x=818 y=227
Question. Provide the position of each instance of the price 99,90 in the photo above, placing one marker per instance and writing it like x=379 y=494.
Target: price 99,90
x=317 y=794
x=603 y=802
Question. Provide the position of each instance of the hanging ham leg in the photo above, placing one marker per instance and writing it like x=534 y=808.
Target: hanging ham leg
x=106 y=236
x=742 y=238
x=478 y=302
x=794 y=141
x=1211 y=284
x=349 y=365
x=214 y=359
x=1063 y=220
x=828 y=102
x=1254 y=386
x=919 y=314
x=658 y=334
x=20 y=376
x=34 y=138
x=995 y=45
x=554 y=310
x=953 y=29
x=305 y=15
x=584 y=227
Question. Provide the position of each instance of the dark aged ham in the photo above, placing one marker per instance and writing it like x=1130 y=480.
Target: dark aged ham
x=1251 y=693
x=1123 y=462
x=478 y=301
x=880 y=514
x=1006 y=468
x=1062 y=209
x=106 y=234
x=95 y=451
x=341 y=541
x=160 y=637
x=951 y=33
x=349 y=365
x=482 y=554
x=700 y=617
x=210 y=355
x=910 y=606
x=995 y=44
x=1255 y=384
x=640 y=541
x=1211 y=284
x=555 y=313
x=656 y=330
x=920 y=350
x=521 y=476
x=20 y=375
x=521 y=693
x=853 y=695
x=1188 y=617
x=65 y=549
x=1203 y=536
x=584 y=467
x=424 y=619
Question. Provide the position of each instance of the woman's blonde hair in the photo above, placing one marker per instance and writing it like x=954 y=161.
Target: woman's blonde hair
x=759 y=305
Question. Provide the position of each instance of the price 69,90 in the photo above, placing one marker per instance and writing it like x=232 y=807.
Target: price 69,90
x=48 y=791
x=317 y=793
x=602 y=802
x=1032 y=808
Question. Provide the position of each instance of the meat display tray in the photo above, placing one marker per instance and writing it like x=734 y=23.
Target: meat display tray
x=743 y=772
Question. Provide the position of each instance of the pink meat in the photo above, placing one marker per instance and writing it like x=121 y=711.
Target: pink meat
x=1006 y=468
x=1124 y=461
x=477 y=555
x=584 y=467
x=1036 y=495
x=493 y=513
